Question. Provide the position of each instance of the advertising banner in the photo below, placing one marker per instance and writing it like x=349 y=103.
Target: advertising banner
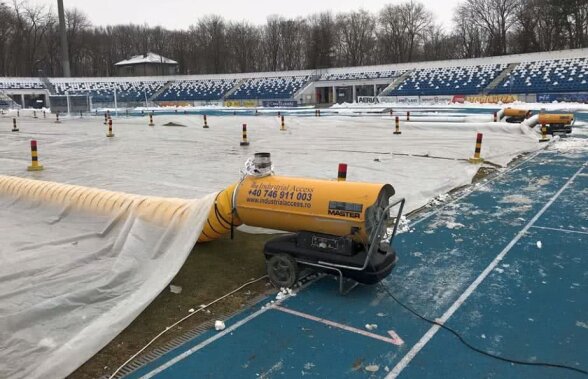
x=492 y=99
x=412 y=100
x=367 y=100
x=563 y=97
x=437 y=99
x=280 y=103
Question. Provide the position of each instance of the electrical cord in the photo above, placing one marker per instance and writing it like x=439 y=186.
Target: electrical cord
x=181 y=320
x=466 y=343
x=478 y=350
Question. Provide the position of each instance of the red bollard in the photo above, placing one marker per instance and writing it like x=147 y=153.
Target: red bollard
x=342 y=172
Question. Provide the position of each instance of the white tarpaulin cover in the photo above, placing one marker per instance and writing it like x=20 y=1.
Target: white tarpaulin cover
x=71 y=280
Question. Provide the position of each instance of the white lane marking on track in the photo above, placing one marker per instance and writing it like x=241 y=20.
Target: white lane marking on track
x=217 y=336
x=400 y=366
x=202 y=344
x=395 y=340
x=559 y=230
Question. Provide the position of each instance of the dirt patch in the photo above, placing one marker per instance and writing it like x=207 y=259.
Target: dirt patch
x=174 y=124
x=483 y=173
x=212 y=270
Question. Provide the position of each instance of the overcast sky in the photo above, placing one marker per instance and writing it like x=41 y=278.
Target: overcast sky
x=179 y=14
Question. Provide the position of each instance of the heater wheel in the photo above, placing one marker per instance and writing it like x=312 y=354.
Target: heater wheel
x=282 y=270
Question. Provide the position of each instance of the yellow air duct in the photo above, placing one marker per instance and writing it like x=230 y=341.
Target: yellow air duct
x=158 y=210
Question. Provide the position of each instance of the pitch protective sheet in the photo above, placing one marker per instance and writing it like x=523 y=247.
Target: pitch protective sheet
x=71 y=280
x=188 y=161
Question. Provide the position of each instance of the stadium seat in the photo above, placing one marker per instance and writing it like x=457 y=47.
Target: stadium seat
x=448 y=80
x=103 y=90
x=21 y=83
x=197 y=90
x=560 y=75
x=269 y=88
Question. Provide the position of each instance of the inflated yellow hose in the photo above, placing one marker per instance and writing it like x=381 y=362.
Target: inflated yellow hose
x=221 y=217
x=158 y=210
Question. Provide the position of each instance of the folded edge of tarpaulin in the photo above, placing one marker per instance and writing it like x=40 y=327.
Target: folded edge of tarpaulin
x=126 y=255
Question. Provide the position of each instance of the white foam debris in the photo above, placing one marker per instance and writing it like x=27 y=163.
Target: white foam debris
x=499 y=270
x=372 y=368
x=219 y=325
x=191 y=310
x=285 y=293
x=483 y=336
x=571 y=145
x=381 y=314
x=439 y=199
x=371 y=326
x=309 y=365
x=539 y=244
x=581 y=324
x=175 y=289
x=454 y=225
x=516 y=199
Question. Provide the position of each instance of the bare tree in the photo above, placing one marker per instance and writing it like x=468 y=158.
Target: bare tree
x=496 y=18
x=357 y=40
x=405 y=32
x=320 y=41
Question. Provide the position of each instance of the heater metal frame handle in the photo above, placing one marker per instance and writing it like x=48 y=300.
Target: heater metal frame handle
x=375 y=238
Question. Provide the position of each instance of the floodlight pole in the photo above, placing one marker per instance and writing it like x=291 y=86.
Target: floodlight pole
x=64 y=45
x=68 y=104
x=115 y=103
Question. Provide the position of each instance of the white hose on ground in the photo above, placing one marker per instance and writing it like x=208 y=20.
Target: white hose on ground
x=180 y=321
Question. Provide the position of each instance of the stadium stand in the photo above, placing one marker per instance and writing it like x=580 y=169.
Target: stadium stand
x=104 y=90
x=269 y=88
x=449 y=80
x=546 y=76
x=558 y=72
x=195 y=90
x=21 y=83
x=366 y=75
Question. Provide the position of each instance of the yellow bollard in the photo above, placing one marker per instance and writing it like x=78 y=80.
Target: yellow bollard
x=244 y=142
x=151 y=119
x=283 y=125
x=14 y=127
x=35 y=166
x=205 y=122
x=397 y=124
x=407 y=116
x=476 y=158
x=35 y=114
x=110 y=133
x=57 y=118
x=544 y=137
x=105 y=118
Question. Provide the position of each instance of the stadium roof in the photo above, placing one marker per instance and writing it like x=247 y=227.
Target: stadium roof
x=146 y=58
